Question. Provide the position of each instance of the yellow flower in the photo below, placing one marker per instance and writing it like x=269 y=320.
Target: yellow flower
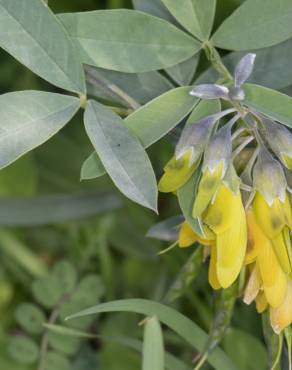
x=176 y=173
x=188 y=237
x=275 y=220
x=225 y=227
x=226 y=218
x=273 y=280
x=268 y=283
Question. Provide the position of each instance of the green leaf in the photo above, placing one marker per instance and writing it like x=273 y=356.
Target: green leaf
x=24 y=350
x=183 y=73
x=156 y=118
x=186 y=194
x=127 y=89
x=195 y=15
x=92 y=168
x=175 y=320
x=153 y=7
x=270 y=102
x=54 y=209
x=167 y=229
x=65 y=345
x=89 y=289
x=153 y=347
x=239 y=345
x=47 y=291
x=256 y=24
x=30 y=317
x=168 y=109
x=128 y=40
x=88 y=292
x=121 y=154
x=30 y=32
x=29 y=118
x=66 y=275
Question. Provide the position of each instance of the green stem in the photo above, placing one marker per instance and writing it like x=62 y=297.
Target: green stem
x=215 y=59
x=45 y=339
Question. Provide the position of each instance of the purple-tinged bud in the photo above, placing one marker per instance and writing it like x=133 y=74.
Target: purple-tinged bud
x=244 y=69
x=269 y=178
x=210 y=91
x=196 y=135
x=280 y=140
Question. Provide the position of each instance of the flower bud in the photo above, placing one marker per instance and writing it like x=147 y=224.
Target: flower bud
x=210 y=91
x=269 y=178
x=280 y=141
x=196 y=135
x=244 y=69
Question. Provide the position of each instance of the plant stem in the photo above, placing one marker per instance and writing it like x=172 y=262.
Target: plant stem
x=215 y=59
x=45 y=339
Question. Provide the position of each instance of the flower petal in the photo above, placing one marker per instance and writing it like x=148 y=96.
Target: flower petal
x=261 y=302
x=208 y=185
x=281 y=317
x=224 y=210
x=271 y=219
x=187 y=236
x=231 y=248
x=274 y=280
x=253 y=286
x=212 y=273
x=282 y=244
x=176 y=173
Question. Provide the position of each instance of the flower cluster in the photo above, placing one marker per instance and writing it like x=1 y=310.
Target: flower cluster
x=242 y=196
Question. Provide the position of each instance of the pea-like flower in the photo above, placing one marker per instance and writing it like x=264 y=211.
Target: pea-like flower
x=224 y=223
x=268 y=283
x=189 y=150
x=272 y=208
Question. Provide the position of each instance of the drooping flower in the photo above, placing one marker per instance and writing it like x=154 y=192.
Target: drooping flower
x=269 y=244
x=225 y=229
x=188 y=152
x=272 y=208
x=268 y=283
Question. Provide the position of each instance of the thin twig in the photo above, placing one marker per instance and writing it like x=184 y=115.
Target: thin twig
x=45 y=339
